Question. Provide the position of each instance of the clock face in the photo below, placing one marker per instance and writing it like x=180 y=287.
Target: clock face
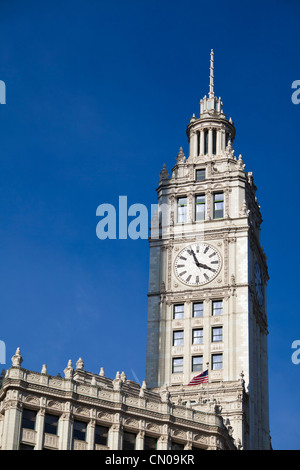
x=259 y=288
x=197 y=264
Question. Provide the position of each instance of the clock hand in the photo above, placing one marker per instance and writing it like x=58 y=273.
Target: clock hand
x=195 y=259
x=205 y=266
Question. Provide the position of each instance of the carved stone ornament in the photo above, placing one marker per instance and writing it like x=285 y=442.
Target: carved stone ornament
x=17 y=359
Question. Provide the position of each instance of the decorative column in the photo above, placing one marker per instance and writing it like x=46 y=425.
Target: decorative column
x=210 y=141
x=12 y=425
x=202 y=142
x=90 y=434
x=39 y=427
x=115 y=437
x=219 y=141
x=193 y=143
x=66 y=430
x=139 y=443
x=13 y=410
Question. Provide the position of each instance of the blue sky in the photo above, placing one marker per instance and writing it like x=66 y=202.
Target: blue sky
x=99 y=95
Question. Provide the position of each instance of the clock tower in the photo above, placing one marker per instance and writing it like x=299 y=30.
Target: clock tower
x=207 y=281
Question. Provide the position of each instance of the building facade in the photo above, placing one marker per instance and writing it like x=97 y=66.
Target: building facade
x=208 y=275
x=85 y=411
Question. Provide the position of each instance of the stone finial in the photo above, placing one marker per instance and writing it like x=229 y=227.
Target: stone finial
x=164 y=175
x=17 y=359
x=101 y=373
x=229 y=150
x=69 y=371
x=44 y=369
x=79 y=364
x=144 y=385
x=180 y=156
x=241 y=162
x=123 y=377
x=93 y=382
x=142 y=389
x=117 y=382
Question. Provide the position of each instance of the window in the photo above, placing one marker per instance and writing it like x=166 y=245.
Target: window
x=214 y=142
x=178 y=311
x=200 y=207
x=28 y=419
x=178 y=338
x=198 y=143
x=177 y=365
x=217 y=334
x=217 y=307
x=128 y=440
x=198 y=336
x=218 y=206
x=206 y=142
x=198 y=310
x=181 y=210
x=217 y=361
x=79 y=430
x=101 y=435
x=150 y=443
x=25 y=447
x=176 y=446
x=200 y=174
x=51 y=424
x=197 y=364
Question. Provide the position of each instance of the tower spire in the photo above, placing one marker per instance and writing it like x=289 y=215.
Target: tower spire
x=211 y=75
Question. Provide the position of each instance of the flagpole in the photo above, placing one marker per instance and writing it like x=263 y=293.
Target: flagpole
x=207 y=364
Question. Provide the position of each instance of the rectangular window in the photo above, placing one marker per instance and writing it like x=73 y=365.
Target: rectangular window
x=217 y=334
x=176 y=446
x=181 y=210
x=206 y=142
x=200 y=174
x=218 y=206
x=217 y=361
x=217 y=307
x=79 y=430
x=101 y=435
x=214 y=142
x=178 y=311
x=25 y=447
x=177 y=365
x=198 y=336
x=200 y=207
x=28 y=419
x=128 y=441
x=178 y=338
x=51 y=424
x=150 y=443
x=198 y=309
x=197 y=364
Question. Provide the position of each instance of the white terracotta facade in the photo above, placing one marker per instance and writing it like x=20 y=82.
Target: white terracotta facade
x=119 y=406
x=213 y=172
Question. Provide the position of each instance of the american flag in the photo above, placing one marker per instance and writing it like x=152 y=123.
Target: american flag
x=199 y=379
